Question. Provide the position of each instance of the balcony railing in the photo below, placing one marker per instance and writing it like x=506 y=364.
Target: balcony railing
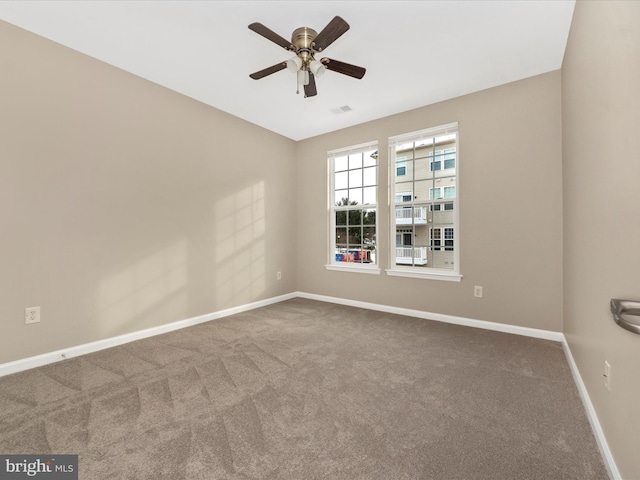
x=411 y=255
x=411 y=215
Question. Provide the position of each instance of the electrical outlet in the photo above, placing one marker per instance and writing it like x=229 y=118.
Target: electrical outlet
x=31 y=315
x=607 y=375
x=477 y=291
x=278 y=275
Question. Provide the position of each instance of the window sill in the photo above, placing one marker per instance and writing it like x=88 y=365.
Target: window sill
x=442 y=275
x=355 y=268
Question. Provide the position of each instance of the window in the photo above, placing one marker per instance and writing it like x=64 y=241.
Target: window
x=436 y=158
x=424 y=227
x=353 y=190
x=448 y=239
x=450 y=158
x=450 y=192
x=401 y=166
x=435 y=235
x=403 y=196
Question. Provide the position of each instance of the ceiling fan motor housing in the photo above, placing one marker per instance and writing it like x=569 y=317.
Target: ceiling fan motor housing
x=302 y=39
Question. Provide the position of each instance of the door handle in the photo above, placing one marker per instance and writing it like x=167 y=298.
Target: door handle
x=626 y=313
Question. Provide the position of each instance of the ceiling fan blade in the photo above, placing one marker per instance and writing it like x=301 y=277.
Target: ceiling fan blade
x=269 y=70
x=310 y=90
x=269 y=34
x=344 y=68
x=329 y=34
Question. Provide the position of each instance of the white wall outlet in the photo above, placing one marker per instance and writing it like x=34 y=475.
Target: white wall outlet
x=477 y=291
x=31 y=315
x=607 y=375
x=278 y=275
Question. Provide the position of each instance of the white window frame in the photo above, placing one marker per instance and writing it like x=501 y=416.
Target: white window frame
x=332 y=264
x=431 y=273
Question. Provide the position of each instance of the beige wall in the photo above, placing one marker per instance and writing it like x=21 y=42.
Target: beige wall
x=601 y=156
x=125 y=205
x=510 y=227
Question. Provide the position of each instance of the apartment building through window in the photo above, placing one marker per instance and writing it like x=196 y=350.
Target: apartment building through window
x=424 y=208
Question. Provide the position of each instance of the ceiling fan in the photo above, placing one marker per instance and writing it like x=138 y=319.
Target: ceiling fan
x=305 y=43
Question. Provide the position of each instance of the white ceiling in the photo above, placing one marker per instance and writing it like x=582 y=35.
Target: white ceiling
x=416 y=52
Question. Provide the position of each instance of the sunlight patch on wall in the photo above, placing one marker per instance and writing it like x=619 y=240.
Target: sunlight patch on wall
x=239 y=224
x=155 y=283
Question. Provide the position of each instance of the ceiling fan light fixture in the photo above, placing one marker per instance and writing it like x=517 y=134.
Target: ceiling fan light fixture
x=317 y=68
x=303 y=77
x=294 y=63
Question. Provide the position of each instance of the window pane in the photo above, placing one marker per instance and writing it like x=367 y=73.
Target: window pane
x=445 y=138
x=450 y=158
x=355 y=195
x=369 y=235
x=355 y=235
x=340 y=163
x=341 y=197
x=424 y=143
x=355 y=161
x=341 y=217
x=369 y=217
x=401 y=166
x=369 y=196
x=370 y=158
x=355 y=178
x=448 y=239
x=370 y=252
x=341 y=180
x=369 y=176
x=435 y=161
x=406 y=188
x=436 y=240
x=341 y=236
x=355 y=217
x=404 y=146
x=421 y=166
x=421 y=191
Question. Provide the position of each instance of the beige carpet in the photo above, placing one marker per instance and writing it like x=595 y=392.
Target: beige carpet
x=309 y=390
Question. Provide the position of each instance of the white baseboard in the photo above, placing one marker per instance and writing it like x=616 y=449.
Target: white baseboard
x=439 y=317
x=58 y=355
x=601 y=440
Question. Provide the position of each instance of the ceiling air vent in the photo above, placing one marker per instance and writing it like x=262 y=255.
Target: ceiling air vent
x=342 y=109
